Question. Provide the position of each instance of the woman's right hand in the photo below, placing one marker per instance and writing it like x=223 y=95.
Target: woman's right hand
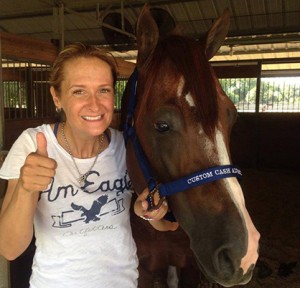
x=38 y=170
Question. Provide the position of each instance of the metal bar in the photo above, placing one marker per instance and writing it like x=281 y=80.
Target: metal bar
x=122 y=16
x=258 y=85
x=2 y=126
x=62 y=26
x=118 y=30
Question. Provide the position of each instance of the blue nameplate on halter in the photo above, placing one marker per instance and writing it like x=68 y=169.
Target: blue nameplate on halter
x=199 y=178
x=188 y=182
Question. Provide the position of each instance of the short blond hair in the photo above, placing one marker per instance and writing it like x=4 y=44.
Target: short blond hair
x=75 y=51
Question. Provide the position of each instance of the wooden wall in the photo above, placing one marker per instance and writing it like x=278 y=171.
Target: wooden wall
x=267 y=141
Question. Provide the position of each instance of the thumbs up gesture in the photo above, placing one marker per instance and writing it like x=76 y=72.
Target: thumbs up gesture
x=38 y=169
x=41 y=142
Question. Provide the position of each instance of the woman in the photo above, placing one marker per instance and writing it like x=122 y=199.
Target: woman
x=68 y=184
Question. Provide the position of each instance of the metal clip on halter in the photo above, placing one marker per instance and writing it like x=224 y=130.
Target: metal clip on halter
x=151 y=199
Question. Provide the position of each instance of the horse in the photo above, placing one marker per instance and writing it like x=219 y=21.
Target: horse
x=181 y=121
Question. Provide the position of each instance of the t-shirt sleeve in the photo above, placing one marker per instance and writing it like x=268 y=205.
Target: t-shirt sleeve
x=16 y=156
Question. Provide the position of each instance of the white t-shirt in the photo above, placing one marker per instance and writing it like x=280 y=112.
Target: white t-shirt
x=83 y=235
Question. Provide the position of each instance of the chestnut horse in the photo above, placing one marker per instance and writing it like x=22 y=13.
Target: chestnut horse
x=181 y=119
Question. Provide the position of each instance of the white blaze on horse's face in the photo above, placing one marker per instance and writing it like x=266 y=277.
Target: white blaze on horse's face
x=190 y=100
x=237 y=196
x=221 y=157
x=188 y=97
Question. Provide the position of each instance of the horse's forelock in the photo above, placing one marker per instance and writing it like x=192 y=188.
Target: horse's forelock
x=190 y=61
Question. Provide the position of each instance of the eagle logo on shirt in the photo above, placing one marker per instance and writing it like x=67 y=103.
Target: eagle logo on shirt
x=92 y=213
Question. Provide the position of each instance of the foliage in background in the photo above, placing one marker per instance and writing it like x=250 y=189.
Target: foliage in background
x=277 y=94
x=119 y=89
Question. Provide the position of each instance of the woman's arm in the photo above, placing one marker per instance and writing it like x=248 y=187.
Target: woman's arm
x=164 y=225
x=20 y=201
x=16 y=220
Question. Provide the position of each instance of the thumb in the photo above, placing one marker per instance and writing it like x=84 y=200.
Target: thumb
x=142 y=198
x=41 y=144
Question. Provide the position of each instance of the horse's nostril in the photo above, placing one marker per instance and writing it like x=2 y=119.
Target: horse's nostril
x=224 y=263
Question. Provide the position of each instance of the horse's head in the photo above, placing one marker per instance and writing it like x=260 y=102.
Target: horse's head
x=183 y=120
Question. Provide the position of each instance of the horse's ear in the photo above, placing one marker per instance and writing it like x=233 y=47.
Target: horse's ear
x=147 y=35
x=217 y=34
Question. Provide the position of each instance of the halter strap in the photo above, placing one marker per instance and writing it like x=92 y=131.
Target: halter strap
x=173 y=187
x=128 y=129
x=199 y=178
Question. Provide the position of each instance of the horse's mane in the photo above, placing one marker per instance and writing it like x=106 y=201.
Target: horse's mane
x=188 y=58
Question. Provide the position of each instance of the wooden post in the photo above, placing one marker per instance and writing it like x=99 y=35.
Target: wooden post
x=24 y=47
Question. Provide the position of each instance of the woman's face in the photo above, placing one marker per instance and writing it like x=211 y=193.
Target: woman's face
x=87 y=95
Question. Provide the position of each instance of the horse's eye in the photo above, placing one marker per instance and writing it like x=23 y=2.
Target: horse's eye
x=161 y=126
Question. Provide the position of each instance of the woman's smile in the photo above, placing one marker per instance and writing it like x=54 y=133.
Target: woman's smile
x=92 y=118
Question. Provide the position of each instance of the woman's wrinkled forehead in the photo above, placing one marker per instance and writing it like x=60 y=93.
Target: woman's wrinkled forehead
x=81 y=66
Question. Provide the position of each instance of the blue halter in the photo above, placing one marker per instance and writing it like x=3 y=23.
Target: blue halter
x=170 y=188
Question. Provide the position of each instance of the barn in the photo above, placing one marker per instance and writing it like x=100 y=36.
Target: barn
x=258 y=66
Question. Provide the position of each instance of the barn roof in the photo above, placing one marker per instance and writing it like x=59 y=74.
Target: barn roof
x=259 y=29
